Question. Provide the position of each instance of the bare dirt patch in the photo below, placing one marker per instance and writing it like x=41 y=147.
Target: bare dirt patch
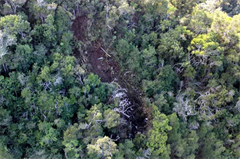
x=99 y=62
x=79 y=27
x=102 y=64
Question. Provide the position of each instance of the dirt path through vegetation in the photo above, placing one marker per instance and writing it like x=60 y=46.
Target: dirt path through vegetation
x=108 y=69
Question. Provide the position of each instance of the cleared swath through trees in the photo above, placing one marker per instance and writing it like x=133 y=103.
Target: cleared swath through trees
x=130 y=106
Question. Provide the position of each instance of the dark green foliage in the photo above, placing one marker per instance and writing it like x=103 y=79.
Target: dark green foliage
x=178 y=60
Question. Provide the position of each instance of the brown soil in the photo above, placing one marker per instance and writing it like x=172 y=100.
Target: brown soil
x=101 y=64
x=79 y=27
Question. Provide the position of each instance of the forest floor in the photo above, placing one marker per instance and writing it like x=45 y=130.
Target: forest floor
x=107 y=68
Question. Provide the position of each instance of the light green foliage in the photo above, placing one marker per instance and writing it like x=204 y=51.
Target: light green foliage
x=158 y=135
x=200 y=21
x=10 y=27
x=227 y=28
x=104 y=147
x=50 y=134
x=13 y=25
x=93 y=126
x=95 y=114
x=220 y=25
x=71 y=141
x=207 y=48
x=210 y=5
x=112 y=118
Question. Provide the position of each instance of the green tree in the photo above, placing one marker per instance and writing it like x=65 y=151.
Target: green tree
x=126 y=150
x=157 y=136
x=149 y=61
x=71 y=141
x=4 y=152
x=112 y=118
x=211 y=146
x=183 y=6
x=15 y=4
x=200 y=21
x=170 y=47
x=14 y=24
x=45 y=33
x=104 y=147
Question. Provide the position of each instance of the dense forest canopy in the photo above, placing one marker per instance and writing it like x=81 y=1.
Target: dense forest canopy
x=120 y=79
